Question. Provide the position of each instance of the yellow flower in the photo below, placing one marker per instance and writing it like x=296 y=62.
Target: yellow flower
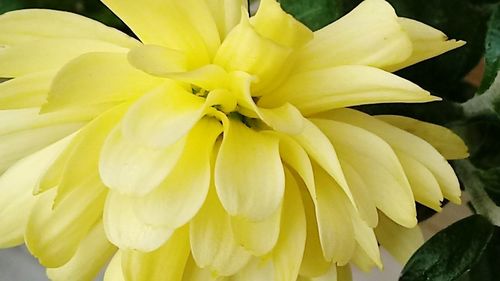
x=218 y=147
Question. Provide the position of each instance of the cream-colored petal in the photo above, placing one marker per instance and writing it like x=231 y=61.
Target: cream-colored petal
x=342 y=86
x=125 y=230
x=335 y=225
x=16 y=188
x=444 y=140
x=30 y=25
x=193 y=273
x=181 y=194
x=222 y=255
x=427 y=42
x=93 y=253
x=157 y=60
x=164 y=116
x=175 y=24
x=97 y=78
x=48 y=54
x=369 y=35
x=249 y=174
x=165 y=263
x=226 y=14
x=399 y=241
x=366 y=240
x=114 y=270
x=407 y=143
x=256 y=270
x=361 y=260
x=377 y=164
x=26 y=91
x=130 y=167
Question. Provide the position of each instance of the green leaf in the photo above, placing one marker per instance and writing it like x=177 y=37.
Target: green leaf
x=491 y=182
x=451 y=253
x=492 y=53
x=315 y=14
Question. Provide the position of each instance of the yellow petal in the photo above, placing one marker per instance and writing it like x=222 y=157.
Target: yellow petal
x=335 y=227
x=248 y=172
x=92 y=254
x=157 y=60
x=399 y=241
x=409 y=144
x=165 y=263
x=16 y=187
x=49 y=54
x=378 y=165
x=226 y=14
x=125 y=230
x=180 y=25
x=162 y=117
x=273 y=23
x=423 y=183
x=26 y=91
x=130 y=167
x=427 y=43
x=342 y=86
x=182 y=193
x=335 y=273
x=444 y=140
x=222 y=256
x=29 y=25
x=366 y=240
x=255 y=270
x=362 y=261
x=114 y=270
x=369 y=35
x=97 y=78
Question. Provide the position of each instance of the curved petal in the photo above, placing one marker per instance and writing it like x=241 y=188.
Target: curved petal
x=366 y=240
x=249 y=174
x=125 y=230
x=182 y=193
x=93 y=253
x=26 y=91
x=227 y=14
x=369 y=35
x=114 y=270
x=342 y=86
x=30 y=25
x=157 y=60
x=194 y=273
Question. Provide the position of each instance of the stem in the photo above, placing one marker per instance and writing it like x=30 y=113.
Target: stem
x=479 y=198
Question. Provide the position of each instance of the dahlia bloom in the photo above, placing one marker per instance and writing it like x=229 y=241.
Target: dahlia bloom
x=217 y=146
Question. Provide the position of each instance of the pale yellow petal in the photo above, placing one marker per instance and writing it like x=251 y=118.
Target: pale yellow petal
x=256 y=270
x=97 y=78
x=114 y=270
x=226 y=14
x=157 y=60
x=375 y=161
x=26 y=91
x=427 y=42
x=48 y=54
x=181 y=194
x=248 y=173
x=92 y=255
x=361 y=260
x=163 y=116
x=222 y=255
x=399 y=241
x=165 y=263
x=29 y=25
x=125 y=230
x=444 y=140
x=193 y=273
x=366 y=240
x=342 y=86
x=369 y=35
x=335 y=273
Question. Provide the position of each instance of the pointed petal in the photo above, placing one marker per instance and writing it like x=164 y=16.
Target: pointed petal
x=427 y=43
x=361 y=260
x=182 y=193
x=97 y=78
x=248 y=172
x=444 y=140
x=164 y=116
x=30 y=25
x=399 y=241
x=157 y=60
x=366 y=240
x=369 y=35
x=26 y=91
x=226 y=14
x=165 y=263
x=114 y=270
x=93 y=253
x=342 y=86
x=335 y=273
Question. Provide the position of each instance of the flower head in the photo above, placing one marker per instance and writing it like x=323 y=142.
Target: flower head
x=216 y=146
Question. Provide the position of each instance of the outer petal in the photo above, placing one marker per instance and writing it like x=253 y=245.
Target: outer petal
x=33 y=24
x=16 y=187
x=92 y=254
x=368 y=35
x=193 y=273
x=165 y=263
x=182 y=193
x=249 y=174
x=427 y=43
x=26 y=91
x=157 y=60
x=444 y=140
x=342 y=86
x=114 y=270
